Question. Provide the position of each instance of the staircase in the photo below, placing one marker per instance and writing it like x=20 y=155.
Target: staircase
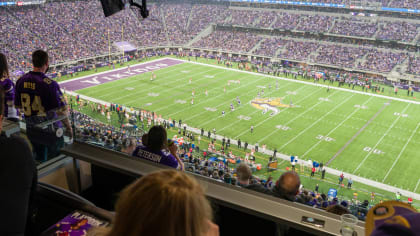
x=207 y=31
x=162 y=16
x=257 y=45
x=189 y=19
x=333 y=25
x=274 y=22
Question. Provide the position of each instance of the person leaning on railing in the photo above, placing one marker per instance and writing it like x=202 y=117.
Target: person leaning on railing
x=157 y=149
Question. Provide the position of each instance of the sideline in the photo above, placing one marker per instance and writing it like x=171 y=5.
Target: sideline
x=283 y=156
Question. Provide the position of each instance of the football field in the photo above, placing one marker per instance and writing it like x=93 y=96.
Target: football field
x=373 y=137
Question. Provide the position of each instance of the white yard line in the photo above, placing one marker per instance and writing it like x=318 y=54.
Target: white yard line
x=417 y=185
x=271 y=117
x=304 y=82
x=214 y=97
x=295 y=118
x=142 y=91
x=339 y=125
x=403 y=149
x=242 y=106
x=256 y=110
x=380 y=140
x=287 y=158
x=172 y=68
x=316 y=122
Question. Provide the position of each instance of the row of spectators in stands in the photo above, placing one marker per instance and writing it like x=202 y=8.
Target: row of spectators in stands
x=410 y=4
x=74 y=30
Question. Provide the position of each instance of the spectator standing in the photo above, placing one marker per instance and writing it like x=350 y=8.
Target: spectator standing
x=10 y=111
x=40 y=99
x=349 y=183
x=341 y=178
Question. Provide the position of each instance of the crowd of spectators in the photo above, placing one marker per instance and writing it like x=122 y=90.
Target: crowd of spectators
x=269 y=46
x=340 y=55
x=315 y=23
x=229 y=41
x=398 y=31
x=244 y=17
x=299 y=50
x=66 y=30
x=382 y=61
x=414 y=65
x=353 y=27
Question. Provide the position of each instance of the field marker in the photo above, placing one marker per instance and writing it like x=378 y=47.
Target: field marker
x=256 y=110
x=417 y=185
x=213 y=97
x=155 y=86
x=380 y=140
x=171 y=68
x=316 y=122
x=356 y=134
x=261 y=122
x=329 y=133
x=403 y=149
x=295 y=118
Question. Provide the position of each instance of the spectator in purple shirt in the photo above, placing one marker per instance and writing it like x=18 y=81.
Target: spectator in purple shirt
x=40 y=99
x=10 y=111
x=158 y=150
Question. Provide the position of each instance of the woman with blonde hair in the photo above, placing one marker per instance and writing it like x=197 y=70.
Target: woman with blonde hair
x=164 y=203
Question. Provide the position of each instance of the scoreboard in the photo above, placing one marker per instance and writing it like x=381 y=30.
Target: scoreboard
x=20 y=3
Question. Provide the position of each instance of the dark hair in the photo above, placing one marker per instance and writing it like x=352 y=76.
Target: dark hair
x=4 y=69
x=157 y=138
x=39 y=58
x=2 y=98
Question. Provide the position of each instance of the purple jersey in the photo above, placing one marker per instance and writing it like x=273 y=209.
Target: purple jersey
x=39 y=97
x=9 y=88
x=162 y=157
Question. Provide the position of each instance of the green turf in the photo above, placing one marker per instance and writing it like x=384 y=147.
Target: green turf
x=308 y=120
x=364 y=191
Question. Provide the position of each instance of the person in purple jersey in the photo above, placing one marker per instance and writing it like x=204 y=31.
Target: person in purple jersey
x=10 y=111
x=156 y=149
x=40 y=99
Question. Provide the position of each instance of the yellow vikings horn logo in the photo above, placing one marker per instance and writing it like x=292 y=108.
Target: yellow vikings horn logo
x=268 y=104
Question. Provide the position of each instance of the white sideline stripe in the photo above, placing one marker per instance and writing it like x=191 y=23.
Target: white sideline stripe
x=369 y=182
x=417 y=185
x=271 y=117
x=304 y=82
x=380 y=140
x=122 y=68
x=347 y=118
x=316 y=122
x=242 y=106
x=399 y=155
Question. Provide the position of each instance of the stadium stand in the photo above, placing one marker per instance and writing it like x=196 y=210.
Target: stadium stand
x=76 y=31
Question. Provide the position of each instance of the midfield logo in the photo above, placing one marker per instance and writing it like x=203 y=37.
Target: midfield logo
x=269 y=104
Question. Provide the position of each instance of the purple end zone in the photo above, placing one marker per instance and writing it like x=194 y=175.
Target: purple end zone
x=122 y=73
